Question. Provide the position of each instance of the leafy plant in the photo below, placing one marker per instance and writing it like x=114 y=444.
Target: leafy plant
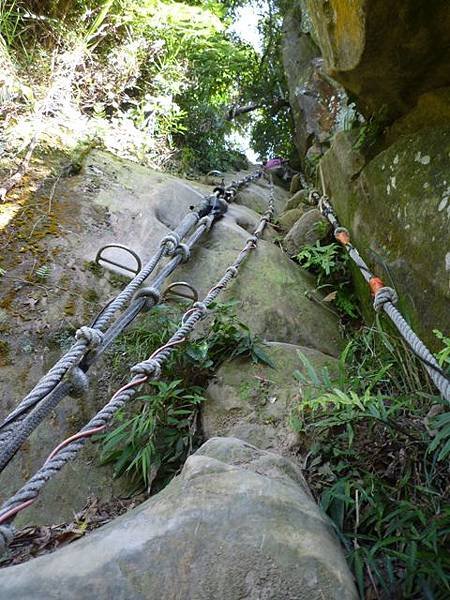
x=323 y=259
x=375 y=469
x=441 y=440
x=229 y=338
x=370 y=131
x=159 y=430
x=330 y=262
x=443 y=356
x=42 y=273
x=158 y=437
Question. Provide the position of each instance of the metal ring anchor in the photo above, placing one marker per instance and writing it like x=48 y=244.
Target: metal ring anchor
x=171 y=290
x=136 y=257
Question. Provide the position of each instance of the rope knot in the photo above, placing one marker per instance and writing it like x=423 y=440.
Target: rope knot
x=184 y=251
x=314 y=197
x=149 y=292
x=252 y=240
x=201 y=306
x=170 y=242
x=93 y=337
x=79 y=382
x=342 y=235
x=233 y=270
x=384 y=295
x=206 y=221
x=149 y=368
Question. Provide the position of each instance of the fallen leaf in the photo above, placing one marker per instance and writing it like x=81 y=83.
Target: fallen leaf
x=330 y=297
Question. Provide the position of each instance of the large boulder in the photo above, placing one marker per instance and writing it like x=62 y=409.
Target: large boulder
x=397 y=208
x=255 y=197
x=287 y=219
x=254 y=402
x=237 y=523
x=271 y=290
x=309 y=229
x=297 y=200
x=385 y=53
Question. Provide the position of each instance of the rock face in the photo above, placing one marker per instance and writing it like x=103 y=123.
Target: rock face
x=398 y=212
x=114 y=200
x=254 y=402
x=290 y=217
x=309 y=229
x=314 y=98
x=387 y=54
x=237 y=523
x=299 y=199
x=270 y=289
x=390 y=186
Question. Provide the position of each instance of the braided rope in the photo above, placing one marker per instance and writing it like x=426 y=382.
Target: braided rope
x=384 y=299
x=149 y=369
x=419 y=349
x=28 y=415
x=78 y=382
x=91 y=337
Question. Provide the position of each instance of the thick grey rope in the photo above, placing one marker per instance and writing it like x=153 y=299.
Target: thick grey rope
x=87 y=338
x=90 y=337
x=25 y=427
x=416 y=344
x=385 y=299
x=151 y=368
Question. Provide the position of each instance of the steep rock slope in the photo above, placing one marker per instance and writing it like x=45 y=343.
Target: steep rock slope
x=113 y=200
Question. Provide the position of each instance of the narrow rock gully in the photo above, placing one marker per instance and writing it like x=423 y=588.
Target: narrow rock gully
x=239 y=520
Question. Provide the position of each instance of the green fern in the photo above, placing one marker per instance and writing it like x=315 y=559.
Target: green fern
x=42 y=273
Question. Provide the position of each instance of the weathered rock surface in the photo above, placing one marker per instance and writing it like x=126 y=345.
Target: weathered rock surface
x=309 y=229
x=296 y=183
x=287 y=219
x=297 y=200
x=113 y=200
x=398 y=212
x=255 y=197
x=387 y=54
x=270 y=289
x=432 y=110
x=254 y=402
x=237 y=523
x=314 y=98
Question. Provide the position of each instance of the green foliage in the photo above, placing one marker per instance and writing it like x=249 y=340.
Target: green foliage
x=330 y=262
x=375 y=469
x=323 y=259
x=9 y=22
x=42 y=273
x=156 y=434
x=441 y=440
x=163 y=74
x=229 y=338
x=370 y=131
x=443 y=356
